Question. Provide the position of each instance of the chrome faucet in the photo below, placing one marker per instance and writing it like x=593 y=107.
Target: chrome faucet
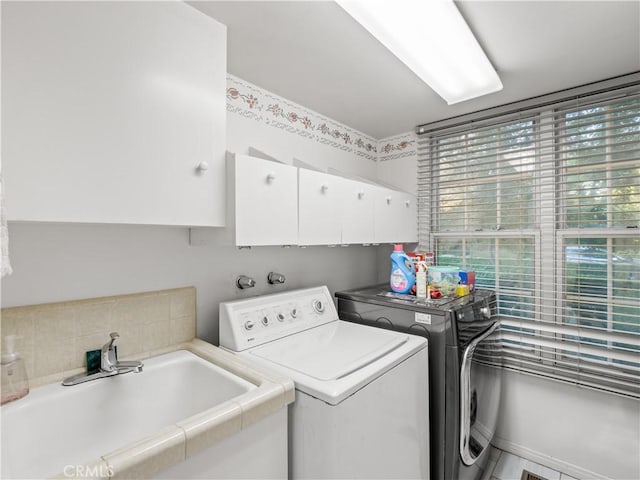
x=109 y=365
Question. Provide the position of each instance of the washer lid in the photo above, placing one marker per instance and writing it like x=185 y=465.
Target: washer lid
x=332 y=351
x=335 y=360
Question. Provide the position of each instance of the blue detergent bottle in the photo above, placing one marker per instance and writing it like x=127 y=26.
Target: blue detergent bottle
x=403 y=275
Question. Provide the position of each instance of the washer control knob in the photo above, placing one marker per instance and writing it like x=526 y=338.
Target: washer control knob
x=294 y=313
x=486 y=312
x=249 y=324
x=318 y=306
x=280 y=317
x=265 y=320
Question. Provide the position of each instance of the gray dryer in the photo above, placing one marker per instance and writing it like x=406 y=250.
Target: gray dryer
x=464 y=373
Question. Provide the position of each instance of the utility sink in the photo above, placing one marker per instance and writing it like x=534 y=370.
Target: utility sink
x=56 y=429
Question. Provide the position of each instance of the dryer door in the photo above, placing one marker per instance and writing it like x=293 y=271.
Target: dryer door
x=480 y=386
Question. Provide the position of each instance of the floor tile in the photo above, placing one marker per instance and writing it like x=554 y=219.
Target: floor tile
x=510 y=467
x=494 y=455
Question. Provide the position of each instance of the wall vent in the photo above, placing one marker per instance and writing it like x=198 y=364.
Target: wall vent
x=530 y=476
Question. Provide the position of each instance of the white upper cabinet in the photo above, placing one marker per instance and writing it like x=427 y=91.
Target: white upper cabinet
x=264 y=201
x=273 y=203
x=358 y=212
x=395 y=216
x=407 y=211
x=113 y=112
x=320 y=206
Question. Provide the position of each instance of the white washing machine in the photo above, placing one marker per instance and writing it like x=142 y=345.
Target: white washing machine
x=361 y=408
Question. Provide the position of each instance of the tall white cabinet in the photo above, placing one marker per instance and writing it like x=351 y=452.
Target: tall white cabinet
x=113 y=112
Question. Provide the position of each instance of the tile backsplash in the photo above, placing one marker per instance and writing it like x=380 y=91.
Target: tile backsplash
x=53 y=337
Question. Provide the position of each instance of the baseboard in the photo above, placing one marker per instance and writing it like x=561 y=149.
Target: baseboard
x=546 y=460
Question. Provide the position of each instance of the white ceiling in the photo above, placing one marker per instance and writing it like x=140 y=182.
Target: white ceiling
x=313 y=53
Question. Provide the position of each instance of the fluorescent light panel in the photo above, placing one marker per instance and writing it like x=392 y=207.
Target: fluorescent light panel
x=433 y=40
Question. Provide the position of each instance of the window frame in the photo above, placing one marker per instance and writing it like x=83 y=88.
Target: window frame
x=549 y=231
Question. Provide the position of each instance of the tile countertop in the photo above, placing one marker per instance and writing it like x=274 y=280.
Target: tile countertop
x=175 y=443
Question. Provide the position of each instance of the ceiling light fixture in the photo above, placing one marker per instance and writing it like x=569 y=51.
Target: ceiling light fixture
x=433 y=40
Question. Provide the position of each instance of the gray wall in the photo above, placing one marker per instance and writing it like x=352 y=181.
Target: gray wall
x=57 y=262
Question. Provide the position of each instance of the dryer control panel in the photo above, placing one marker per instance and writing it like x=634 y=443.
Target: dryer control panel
x=254 y=321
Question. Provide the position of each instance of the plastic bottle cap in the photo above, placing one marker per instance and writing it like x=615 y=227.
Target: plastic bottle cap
x=397 y=247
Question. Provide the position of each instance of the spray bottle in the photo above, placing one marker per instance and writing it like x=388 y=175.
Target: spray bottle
x=421 y=280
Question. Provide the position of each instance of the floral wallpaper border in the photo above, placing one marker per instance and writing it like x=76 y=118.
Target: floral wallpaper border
x=250 y=101
x=398 y=146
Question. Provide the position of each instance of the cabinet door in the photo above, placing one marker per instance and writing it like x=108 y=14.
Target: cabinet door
x=266 y=202
x=395 y=216
x=407 y=217
x=358 y=213
x=319 y=208
x=384 y=221
x=108 y=111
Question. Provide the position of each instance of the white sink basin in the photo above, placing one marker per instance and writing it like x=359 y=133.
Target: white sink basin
x=56 y=426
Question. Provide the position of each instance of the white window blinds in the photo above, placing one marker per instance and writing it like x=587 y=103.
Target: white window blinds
x=544 y=203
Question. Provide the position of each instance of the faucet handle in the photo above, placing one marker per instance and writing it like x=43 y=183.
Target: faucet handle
x=108 y=357
x=109 y=346
x=275 y=278
x=245 y=282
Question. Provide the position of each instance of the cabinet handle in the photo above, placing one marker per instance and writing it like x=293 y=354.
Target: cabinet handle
x=388 y=200
x=407 y=203
x=202 y=167
x=324 y=188
x=271 y=177
x=360 y=195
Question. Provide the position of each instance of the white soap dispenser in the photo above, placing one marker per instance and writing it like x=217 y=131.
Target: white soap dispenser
x=15 y=383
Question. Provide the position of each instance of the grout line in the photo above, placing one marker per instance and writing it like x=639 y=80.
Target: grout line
x=495 y=465
x=500 y=452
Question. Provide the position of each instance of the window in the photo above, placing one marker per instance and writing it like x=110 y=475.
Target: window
x=544 y=204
